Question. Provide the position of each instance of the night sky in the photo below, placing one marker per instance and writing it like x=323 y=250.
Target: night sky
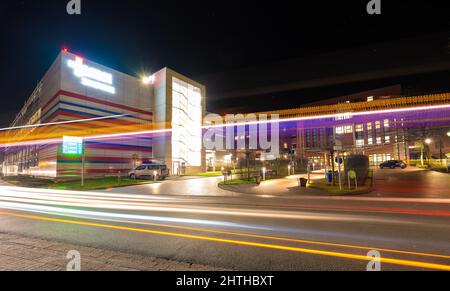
x=196 y=38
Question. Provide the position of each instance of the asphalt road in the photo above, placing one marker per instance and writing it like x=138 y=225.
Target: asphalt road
x=411 y=182
x=238 y=231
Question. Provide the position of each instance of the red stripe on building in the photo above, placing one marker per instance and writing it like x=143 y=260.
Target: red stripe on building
x=122 y=148
x=82 y=116
x=93 y=100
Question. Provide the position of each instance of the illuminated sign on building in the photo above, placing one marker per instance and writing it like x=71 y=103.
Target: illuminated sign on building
x=92 y=77
x=72 y=145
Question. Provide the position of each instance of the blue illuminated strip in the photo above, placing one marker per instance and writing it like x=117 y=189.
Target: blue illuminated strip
x=89 y=107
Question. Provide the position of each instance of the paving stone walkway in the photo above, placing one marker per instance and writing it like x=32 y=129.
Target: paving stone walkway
x=19 y=253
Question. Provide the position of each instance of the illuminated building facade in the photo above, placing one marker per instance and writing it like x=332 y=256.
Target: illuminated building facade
x=78 y=97
x=397 y=128
x=415 y=129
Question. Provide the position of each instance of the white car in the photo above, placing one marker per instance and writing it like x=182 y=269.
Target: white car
x=150 y=171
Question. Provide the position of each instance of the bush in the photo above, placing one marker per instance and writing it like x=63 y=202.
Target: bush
x=359 y=164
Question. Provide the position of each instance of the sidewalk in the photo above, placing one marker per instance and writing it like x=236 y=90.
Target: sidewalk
x=278 y=187
x=18 y=253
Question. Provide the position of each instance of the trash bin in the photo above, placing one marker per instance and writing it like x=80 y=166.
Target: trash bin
x=329 y=177
x=258 y=180
x=303 y=182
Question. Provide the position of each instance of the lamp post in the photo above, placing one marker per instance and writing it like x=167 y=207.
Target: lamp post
x=289 y=170
x=264 y=173
x=224 y=175
x=428 y=141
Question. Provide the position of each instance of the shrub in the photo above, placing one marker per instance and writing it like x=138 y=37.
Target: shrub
x=359 y=164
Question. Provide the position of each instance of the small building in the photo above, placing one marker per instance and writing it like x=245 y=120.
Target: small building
x=115 y=114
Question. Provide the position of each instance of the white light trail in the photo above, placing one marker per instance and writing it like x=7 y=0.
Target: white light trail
x=64 y=122
x=318 y=117
x=95 y=200
x=163 y=131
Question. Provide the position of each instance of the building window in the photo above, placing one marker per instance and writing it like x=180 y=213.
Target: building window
x=378 y=140
x=378 y=125
x=377 y=159
x=344 y=116
x=344 y=129
x=386 y=123
x=369 y=126
x=370 y=99
x=370 y=141
x=387 y=139
x=359 y=128
x=360 y=143
x=308 y=138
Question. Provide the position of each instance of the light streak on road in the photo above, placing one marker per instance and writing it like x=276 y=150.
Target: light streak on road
x=401 y=262
x=131 y=203
x=86 y=213
x=130 y=218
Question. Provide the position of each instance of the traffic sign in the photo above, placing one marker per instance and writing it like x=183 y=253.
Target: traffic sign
x=72 y=145
x=352 y=174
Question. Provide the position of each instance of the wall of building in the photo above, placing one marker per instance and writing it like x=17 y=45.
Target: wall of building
x=166 y=147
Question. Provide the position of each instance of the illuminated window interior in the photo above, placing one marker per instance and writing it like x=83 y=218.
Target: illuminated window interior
x=186 y=124
x=344 y=129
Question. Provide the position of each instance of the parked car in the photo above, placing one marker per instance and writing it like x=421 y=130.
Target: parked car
x=393 y=164
x=150 y=171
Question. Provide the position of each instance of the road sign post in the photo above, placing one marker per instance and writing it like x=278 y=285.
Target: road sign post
x=74 y=146
x=83 y=157
x=352 y=176
x=339 y=161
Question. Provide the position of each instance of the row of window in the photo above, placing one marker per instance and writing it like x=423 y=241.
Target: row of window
x=360 y=127
x=370 y=141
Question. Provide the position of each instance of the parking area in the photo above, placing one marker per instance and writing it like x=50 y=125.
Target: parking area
x=411 y=182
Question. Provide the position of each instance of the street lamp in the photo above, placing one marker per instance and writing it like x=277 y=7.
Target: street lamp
x=448 y=134
x=427 y=141
x=148 y=80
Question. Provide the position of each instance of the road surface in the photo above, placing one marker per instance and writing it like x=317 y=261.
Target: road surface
x=236 y=231
x=411 y=182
